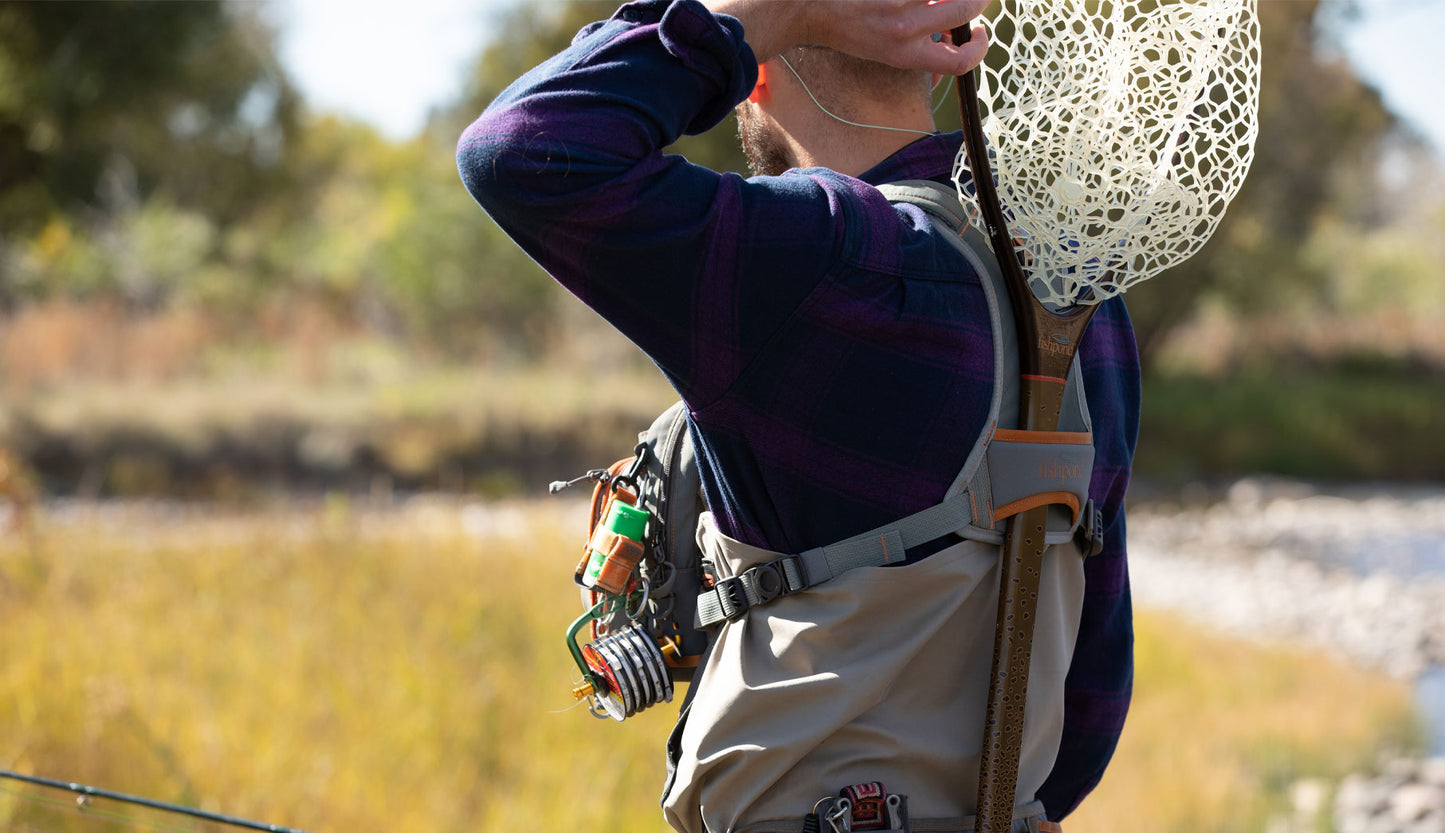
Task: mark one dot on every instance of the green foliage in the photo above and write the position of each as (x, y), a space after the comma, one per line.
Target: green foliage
(1321, 132)
(533, 33)
(108, 103)
(1365, 421)
(529, 34)
(455, 278)
(143, 254)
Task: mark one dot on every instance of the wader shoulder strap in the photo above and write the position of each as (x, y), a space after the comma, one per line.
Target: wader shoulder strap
(1005, 472)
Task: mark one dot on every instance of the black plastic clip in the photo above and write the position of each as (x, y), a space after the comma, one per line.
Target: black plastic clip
(732, 598)
(1090, 535)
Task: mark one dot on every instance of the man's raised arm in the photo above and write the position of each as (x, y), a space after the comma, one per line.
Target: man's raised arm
(894, 32)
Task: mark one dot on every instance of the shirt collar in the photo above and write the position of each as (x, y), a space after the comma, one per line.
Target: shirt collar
(931, 157)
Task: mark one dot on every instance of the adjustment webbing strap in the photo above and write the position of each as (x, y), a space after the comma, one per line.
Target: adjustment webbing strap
(775, 574)
(783, 575)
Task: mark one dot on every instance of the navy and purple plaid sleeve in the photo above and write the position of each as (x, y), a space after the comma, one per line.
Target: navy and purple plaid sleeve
(568, 161)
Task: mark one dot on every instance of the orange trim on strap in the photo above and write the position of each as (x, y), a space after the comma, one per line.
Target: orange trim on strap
(1068, 499)
(1014, 435)
(1038, 378)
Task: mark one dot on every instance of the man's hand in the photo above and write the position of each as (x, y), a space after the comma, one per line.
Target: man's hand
(899, 33)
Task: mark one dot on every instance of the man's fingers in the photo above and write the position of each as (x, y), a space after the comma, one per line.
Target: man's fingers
(969, 55)
(945, 15)
(942, 56)
(913, 34)
(908, 34)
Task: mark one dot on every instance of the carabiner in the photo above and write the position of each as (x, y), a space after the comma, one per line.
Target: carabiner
(841, 817)
(641, 604)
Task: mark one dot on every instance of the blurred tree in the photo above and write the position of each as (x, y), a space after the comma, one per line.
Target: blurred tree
(1320, 139)
(454, 279)
(103, 104)
(453, 273)
(532, 33)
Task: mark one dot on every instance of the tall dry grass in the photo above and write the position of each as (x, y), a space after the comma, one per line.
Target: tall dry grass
(338, 669)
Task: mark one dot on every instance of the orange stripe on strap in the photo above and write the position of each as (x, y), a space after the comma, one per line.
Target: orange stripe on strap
(1013, 435)
(1043, 378)
(1046, 499)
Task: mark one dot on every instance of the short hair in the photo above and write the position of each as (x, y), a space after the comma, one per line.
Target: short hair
(838, 79)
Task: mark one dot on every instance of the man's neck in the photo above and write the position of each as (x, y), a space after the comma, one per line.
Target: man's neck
(822, 141)
(848, 155)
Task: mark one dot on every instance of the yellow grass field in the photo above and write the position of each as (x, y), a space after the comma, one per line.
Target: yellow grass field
(333, 668)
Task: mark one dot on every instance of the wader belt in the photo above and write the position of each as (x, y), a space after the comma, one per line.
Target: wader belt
(1028, 818)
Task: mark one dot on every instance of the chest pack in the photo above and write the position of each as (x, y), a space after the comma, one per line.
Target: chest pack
(652, 596)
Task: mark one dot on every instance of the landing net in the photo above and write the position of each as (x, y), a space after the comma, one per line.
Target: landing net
(1118, 132)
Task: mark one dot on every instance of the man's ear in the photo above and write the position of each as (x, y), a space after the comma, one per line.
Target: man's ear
(760, 92)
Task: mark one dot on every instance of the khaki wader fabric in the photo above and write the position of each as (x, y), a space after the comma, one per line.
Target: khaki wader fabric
(880, 674)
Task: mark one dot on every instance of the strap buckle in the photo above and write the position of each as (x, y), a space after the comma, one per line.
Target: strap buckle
(732, 597)
(1090, 535)
(840, 816)
(884, 812)
(768, 581)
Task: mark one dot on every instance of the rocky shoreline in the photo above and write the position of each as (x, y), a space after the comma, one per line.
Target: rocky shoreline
(1360, 575)
(1356, 573)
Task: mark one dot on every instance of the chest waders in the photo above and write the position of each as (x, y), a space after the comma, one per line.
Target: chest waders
(654, 598)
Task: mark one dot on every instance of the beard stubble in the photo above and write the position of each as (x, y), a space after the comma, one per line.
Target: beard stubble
(765, 151)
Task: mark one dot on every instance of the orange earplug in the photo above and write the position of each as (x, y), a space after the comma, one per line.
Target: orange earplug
(757, 94)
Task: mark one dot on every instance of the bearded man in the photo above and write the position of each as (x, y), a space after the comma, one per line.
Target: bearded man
(835, 356)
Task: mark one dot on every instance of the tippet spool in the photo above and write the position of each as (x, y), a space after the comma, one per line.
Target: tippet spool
(634, 672)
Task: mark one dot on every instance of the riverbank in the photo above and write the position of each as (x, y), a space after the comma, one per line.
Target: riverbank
(493, 431)
(1357, 573)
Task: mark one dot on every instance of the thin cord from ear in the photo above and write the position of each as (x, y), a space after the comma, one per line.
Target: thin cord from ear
(837, 117)
(943, 99)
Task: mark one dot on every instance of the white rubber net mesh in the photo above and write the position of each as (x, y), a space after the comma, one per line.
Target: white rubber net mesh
(1118, 132)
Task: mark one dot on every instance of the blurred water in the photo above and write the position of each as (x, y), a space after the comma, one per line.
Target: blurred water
(1430, 701)
(1405, 554)
(1408, 554)
(1364, 564)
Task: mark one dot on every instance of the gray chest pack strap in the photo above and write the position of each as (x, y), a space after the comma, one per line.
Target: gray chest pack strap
(1006, 472)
